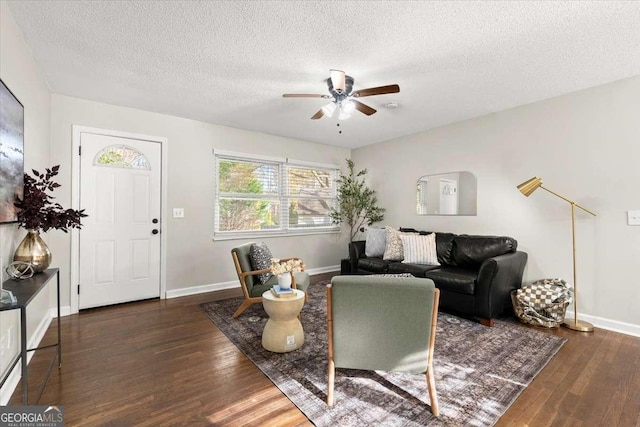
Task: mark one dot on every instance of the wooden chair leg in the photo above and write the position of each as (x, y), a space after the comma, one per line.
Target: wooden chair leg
(431, 384)
(330, 382)
(245, 304)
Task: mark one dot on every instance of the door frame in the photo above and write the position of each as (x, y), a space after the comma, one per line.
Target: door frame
(77, 131)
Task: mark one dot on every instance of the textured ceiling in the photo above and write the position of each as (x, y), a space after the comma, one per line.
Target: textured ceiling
(230, 62)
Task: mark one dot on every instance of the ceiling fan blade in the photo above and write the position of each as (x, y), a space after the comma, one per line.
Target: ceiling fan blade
(381, 90)
(317, 115)
(363, 108)
(304, 95)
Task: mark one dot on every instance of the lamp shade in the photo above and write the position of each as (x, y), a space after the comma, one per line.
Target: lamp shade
(348, 106)
(338, 80)
(530, 185)
(343, 115)
(329, 109)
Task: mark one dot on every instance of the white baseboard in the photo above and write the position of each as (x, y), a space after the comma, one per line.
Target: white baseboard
(322, 270)
(64, 311)
(14, 378)
(611, 325)
(194, 290)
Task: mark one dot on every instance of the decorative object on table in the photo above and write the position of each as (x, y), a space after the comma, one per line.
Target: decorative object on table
(33, 251)
(543, 302)
(284, 270)
(479, 371)
(357, 203)
(7, 297)
(11, 153)
(284, 280)
(529, 187)
(37, 212)
(287, 265)
(283, 292)
(20, 270)
(252, 287)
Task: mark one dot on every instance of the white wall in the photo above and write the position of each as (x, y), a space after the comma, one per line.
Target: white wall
(193, 259)
(585, 145)
(22, 75)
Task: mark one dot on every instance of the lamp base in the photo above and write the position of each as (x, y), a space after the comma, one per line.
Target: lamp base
(578, 325)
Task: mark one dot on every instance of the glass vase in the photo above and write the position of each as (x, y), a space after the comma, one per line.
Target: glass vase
(33, 250)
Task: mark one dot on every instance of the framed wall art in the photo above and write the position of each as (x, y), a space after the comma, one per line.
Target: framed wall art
(11, 153)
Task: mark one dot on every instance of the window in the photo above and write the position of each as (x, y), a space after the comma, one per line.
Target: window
(258, 196)
(121, 156)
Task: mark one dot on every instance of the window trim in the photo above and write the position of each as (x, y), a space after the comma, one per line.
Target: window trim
(282, 195)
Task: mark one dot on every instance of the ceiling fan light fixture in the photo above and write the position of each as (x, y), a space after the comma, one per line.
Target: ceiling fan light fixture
(338, 80)
(348, 106)
(329, 109)
(344, 115)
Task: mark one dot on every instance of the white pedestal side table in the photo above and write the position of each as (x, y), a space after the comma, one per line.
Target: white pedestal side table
(283, 331)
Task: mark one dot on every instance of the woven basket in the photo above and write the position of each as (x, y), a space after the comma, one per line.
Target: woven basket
(542, 312)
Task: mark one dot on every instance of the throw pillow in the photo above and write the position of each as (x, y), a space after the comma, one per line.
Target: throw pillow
(419, 249)
(376, 242)
(393, 250)
(260, 257)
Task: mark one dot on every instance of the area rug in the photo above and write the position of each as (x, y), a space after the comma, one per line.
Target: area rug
(479, 371)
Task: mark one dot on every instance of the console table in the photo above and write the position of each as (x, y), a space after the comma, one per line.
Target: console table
(25, 291)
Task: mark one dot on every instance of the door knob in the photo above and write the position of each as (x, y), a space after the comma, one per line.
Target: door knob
(155, 231)
(154, 220)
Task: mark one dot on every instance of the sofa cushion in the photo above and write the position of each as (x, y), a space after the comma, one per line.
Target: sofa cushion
(444, 246)
(393, 250)
(471, 251)
(376, 242)
(375, 265)
(454, 279)
(260, 256)
(417, 270)
(419, 249)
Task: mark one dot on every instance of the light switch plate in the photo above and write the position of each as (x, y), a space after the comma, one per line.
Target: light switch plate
(178, 212)
(633, 217)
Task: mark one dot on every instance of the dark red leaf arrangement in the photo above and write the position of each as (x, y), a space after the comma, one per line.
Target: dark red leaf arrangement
(38, 212)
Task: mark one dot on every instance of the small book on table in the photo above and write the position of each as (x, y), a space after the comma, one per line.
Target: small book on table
(283, 292)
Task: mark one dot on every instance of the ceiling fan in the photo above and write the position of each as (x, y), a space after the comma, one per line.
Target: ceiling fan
(342, 98)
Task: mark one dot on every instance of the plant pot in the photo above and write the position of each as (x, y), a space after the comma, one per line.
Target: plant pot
(284, 280)
(33, 250)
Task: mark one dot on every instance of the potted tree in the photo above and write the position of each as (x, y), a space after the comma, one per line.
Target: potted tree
(357, 203)
(38, 213)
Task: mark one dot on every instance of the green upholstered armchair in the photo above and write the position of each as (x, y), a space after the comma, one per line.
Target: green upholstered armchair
(382, 323)
(252, 288)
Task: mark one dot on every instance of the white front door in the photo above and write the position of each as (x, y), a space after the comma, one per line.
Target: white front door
(120, 180)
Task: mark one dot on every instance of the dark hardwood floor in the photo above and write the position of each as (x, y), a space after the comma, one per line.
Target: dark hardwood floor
(163, 362)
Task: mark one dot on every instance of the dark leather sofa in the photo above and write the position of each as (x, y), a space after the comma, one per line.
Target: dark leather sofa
(475, 276)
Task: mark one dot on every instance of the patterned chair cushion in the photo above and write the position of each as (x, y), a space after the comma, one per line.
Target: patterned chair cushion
(260, 256)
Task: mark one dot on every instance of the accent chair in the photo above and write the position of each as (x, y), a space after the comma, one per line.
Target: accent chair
(382, 323)
(252, 288)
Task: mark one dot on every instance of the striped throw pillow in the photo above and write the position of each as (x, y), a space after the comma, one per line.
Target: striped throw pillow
(419, 249)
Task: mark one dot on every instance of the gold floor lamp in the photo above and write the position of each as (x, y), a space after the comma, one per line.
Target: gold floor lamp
(529, 187)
